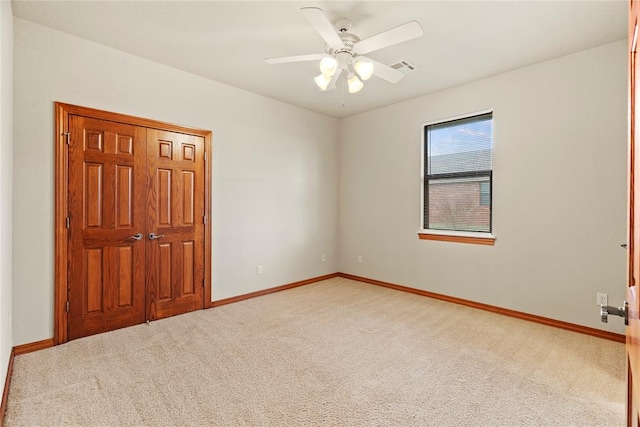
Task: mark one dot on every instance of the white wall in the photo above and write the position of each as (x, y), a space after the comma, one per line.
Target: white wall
(274, 167)
(560, 132)
(6, 161)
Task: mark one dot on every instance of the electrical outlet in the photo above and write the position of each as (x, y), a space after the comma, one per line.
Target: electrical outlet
(324, 258)
(601, 298)
(259, 270)
(359, 259)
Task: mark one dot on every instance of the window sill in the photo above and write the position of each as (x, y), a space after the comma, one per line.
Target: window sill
(458, 237)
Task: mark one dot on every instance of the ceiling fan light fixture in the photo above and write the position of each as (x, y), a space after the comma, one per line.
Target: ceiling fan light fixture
(322, 81)
(364, 69)
(355, 84)
(328, 66)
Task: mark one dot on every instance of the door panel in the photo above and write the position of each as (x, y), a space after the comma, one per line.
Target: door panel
(124, 196)
(175, 270)
(633, 329)
(124, 267)
(106, 207)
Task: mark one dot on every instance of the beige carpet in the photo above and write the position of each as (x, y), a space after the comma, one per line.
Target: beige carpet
(334, 353)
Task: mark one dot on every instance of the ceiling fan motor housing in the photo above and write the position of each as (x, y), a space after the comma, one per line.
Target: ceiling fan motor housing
(346, 53)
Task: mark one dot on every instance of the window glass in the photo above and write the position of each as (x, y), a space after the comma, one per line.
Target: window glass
(485, 193)
(458, 175)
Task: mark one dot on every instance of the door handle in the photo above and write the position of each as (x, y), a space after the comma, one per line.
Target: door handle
(154, 236)
(606, 310)
(137, 236)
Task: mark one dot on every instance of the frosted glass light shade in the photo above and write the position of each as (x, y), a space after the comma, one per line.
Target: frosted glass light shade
(328, 66)
(322, 81)
(364, 69)
(354, 84)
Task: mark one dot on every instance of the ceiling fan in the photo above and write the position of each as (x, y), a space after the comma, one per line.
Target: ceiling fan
(343, 52)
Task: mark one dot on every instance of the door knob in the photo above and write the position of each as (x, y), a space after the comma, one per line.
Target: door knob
(606, 310)
(137, 236)
(154, 236)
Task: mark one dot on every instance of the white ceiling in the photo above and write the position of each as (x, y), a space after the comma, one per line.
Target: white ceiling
(227, 41)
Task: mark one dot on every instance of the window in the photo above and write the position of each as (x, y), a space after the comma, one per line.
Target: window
(457, 186)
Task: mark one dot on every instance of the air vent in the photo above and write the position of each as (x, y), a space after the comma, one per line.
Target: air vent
(404, 66)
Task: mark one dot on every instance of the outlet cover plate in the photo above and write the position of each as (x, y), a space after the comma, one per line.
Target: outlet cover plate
(601, 298)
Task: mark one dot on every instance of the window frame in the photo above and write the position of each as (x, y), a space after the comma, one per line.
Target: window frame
(473, 237)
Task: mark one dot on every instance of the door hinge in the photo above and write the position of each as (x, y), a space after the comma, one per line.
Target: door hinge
(204, 219)
(205, 156)
(67, 306)
(68, 135)
(68, 222)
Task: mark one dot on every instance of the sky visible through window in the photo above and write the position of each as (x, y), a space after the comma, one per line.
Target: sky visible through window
(468, 135)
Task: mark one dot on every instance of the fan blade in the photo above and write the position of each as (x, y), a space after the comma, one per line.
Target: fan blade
(403, 33)
(334, 79)
(297, 58)
(319, 21)
(383, 71)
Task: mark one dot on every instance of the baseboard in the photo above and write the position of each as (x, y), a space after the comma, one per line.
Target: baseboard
(33, 346)
(272, 290)
(7, 383)
(17, 351)
(504, 311)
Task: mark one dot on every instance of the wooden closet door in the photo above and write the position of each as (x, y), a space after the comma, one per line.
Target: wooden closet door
(175, 213)
(107, 194)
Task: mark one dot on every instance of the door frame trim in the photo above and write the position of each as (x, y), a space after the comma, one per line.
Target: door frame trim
(62, 113)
